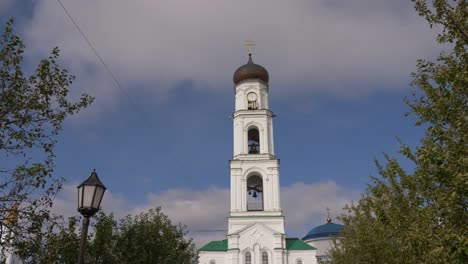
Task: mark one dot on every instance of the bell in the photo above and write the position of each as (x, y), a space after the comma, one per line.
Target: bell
(250, 193)
(254, 195)
(254, 148)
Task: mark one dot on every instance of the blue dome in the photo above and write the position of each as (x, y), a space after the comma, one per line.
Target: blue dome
(326, 230)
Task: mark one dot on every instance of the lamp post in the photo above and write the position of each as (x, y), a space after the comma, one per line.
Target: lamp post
(90, 193)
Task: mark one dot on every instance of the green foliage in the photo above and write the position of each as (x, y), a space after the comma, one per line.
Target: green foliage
(32, 110)
(421, 217)
(59, 244)
(148, 237)
(102, 248)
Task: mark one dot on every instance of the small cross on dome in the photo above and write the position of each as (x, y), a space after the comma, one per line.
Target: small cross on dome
(328, 215)
(250, 44)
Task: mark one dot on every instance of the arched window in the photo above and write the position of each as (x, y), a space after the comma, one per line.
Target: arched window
(248, 258)
(253, 141)
(299, 261)
(254, 193)
(212, 262)
(264, 258)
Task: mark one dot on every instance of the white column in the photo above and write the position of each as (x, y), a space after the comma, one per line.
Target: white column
(257, 257)
(236, 131)
(278, 196)
(270, 136)
(243, 195)
(266, 193)
(263, 141)
(245, 149)
(235, 174)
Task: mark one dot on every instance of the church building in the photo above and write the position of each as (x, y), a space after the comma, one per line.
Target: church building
(256, 223)
(6, 254)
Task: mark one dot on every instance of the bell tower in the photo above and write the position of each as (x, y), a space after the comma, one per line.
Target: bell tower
(256, 222)
(255, 191)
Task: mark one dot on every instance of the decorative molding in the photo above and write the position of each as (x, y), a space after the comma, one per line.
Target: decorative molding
(251, 124)
(256, 235)
(248, 172)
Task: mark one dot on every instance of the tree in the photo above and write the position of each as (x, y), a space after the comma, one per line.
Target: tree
(59, 243)
(32, 110)
(103, 247)
(148, 237)
(421, 216)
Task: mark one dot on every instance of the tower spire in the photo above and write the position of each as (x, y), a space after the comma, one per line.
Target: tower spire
(328, 215)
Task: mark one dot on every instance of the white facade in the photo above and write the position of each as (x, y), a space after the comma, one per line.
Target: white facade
(323, 245)
(256, 232)
(5, 253)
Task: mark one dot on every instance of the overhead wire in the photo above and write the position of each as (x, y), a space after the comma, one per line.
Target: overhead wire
(207, 230)
(117, 83)
(114, 78)
(137, 109)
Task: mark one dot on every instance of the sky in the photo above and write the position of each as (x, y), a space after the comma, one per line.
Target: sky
(339, 71)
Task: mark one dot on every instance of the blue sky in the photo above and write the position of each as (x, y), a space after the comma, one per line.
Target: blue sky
(339, 71)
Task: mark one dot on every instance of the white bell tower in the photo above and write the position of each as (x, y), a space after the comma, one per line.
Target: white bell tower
(255, 187)
(256, 222)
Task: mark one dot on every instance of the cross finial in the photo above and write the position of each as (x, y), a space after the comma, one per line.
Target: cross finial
(328, 215)
(250, 44)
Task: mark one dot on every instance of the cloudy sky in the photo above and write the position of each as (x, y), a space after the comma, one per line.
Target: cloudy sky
(339, 70)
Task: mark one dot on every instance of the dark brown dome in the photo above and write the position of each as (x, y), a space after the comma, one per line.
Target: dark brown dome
(250, 71)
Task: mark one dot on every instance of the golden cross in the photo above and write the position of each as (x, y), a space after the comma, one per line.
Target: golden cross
(250, 44)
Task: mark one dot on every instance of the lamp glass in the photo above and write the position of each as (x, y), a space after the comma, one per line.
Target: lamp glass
(80, 196)
(98, 197)
(88, 195)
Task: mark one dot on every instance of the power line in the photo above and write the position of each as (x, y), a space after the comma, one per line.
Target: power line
(114, 78)
(207, 230)
(116, 81)
(140, 112)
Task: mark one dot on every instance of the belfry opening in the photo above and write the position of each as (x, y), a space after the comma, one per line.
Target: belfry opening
(254, 193)
(253, 141)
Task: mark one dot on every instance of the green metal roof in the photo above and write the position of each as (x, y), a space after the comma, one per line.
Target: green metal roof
(297, 244)
(215, 246)
(291, 244)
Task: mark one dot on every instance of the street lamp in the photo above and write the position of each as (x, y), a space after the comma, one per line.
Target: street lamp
(90, 193)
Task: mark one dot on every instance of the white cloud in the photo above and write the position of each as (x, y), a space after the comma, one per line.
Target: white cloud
(66, 202)
(304, 206)
(199, 210)
(343, 47)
